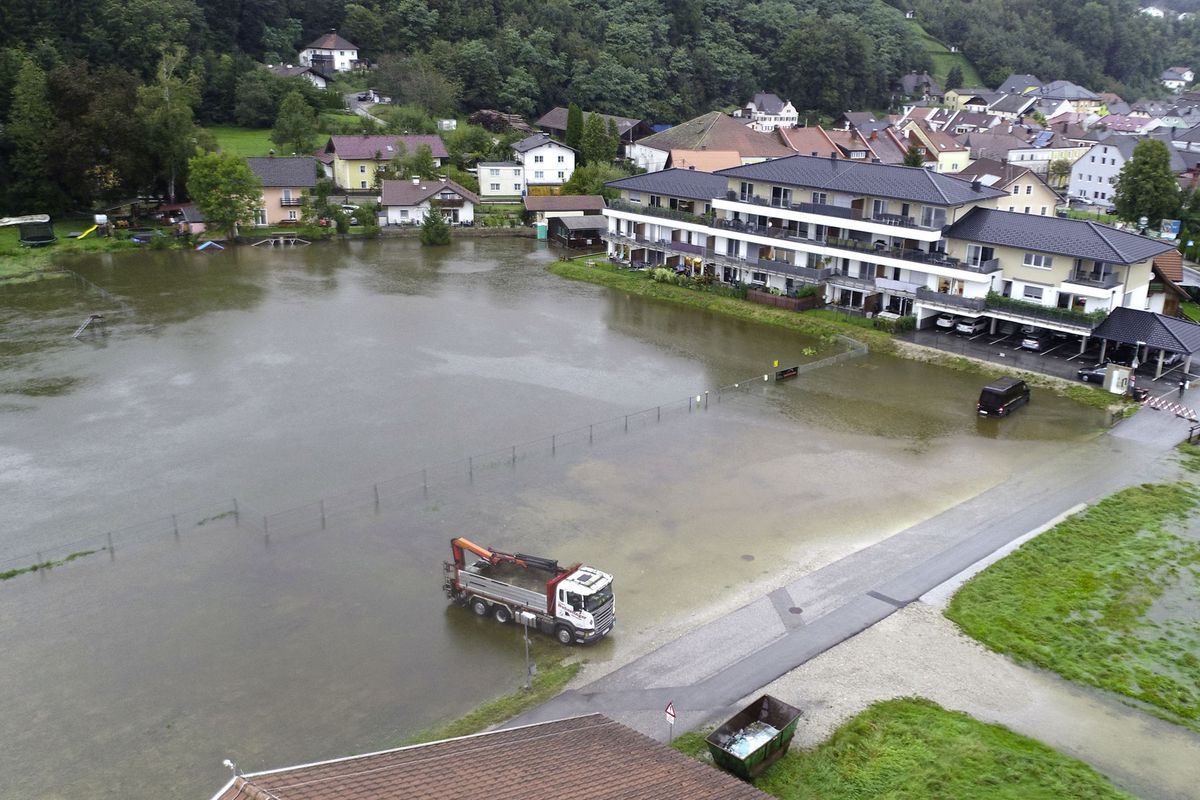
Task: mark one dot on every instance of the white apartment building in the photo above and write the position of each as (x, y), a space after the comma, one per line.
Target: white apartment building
(501, 178)
(546, 162)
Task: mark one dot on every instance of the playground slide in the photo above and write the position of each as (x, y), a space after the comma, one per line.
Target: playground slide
(89, 230)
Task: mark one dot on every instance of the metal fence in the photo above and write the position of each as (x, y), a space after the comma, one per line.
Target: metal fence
(412, 488)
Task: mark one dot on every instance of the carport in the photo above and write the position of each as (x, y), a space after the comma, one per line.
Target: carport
(1154, 335)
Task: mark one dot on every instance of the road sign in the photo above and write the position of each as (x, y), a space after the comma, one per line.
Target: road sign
(670, 712)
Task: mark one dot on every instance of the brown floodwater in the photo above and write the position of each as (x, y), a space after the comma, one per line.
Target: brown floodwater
(298, 381)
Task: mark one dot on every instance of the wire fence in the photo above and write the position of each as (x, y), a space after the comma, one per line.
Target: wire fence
(418, 486)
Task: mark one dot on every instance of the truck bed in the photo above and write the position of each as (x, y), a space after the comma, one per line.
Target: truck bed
(531, 578)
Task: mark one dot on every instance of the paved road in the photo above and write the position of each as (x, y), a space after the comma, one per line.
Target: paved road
(708, 671)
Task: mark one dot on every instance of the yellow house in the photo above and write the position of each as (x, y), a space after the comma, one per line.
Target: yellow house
(354, 160)
(1025, 191)
(940, 149)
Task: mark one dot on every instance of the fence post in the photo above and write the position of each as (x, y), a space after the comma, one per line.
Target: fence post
(627, 423)
(706, 398)
(175, 525)
(266, 526)
(689, 404)
(424, 484)
(237, 517)
(112, 552)
(471, 468)
(554, 444)
(376, 487)
(322, 514)
(514, 456)
(658, 412)
(589, 434)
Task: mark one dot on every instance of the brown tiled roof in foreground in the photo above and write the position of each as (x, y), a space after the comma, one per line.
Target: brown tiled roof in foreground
(584, 758)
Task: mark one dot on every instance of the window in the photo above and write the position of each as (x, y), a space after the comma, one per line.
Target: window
(1010, 208)
(291, 215)
(878, 208)
(933, 217)
(560, 159)
(1016, 190)
(538, 159)
(516, 187)
(362, 169)
(493, 187)
(537, 173)
(362, 184)
(1033, 293)
(404, 213)
(1043, 211)
(634, 197)
(516, 173)
(781, 197)
(974, 254)
(1038, 260)
(561, 174)
(495, 173)
(1093, 160)
(1029, 189)
(820, 198)
(656, 201)
(747, 190)
(758, 277)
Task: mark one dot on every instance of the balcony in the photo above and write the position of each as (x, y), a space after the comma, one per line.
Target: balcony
(804, 274)
(1098, 280)
(658, 211)
(287, 202)
(826, 210)
(951, 301)
(844, 281)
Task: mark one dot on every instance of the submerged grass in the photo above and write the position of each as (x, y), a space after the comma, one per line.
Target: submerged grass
(1104, 598)
(822, 323)
(44, 565)
(553, 673)
(914, 748)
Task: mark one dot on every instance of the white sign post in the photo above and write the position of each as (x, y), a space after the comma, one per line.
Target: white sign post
(670, 712)
(526, 619)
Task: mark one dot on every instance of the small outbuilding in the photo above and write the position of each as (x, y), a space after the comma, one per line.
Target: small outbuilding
(578, 233)
(1157, 339)
(541, 208)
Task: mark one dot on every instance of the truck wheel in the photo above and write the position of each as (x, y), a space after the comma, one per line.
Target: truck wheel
(564, 634)
(502, 615)
(480, 607)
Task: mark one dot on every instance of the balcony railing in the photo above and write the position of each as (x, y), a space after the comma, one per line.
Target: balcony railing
(1106, 280)
(804, 274)
(851, 282)
(954, 301)
(826, 210)
(658, 211)
(290, 201)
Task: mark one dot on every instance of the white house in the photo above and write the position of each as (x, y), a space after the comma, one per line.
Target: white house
(408, 202)
(299, 70)
(501, 178)
(329, 54)
(767, 112)
(546, 162)
(1178, 78)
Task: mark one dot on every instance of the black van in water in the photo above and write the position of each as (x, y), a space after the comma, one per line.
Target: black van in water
(1001, 396)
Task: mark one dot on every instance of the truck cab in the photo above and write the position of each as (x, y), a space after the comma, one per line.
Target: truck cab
(585, 603)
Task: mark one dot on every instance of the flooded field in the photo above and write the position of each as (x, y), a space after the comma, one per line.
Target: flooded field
(282, 378)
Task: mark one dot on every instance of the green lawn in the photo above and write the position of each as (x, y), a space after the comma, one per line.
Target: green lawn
(943, 60)
(914, 749)
(1191, 311)
(16, 260)
(1105, 598)
(245, 142)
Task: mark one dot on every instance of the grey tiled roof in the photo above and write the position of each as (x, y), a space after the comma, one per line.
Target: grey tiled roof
(587, 222)
(914, 184)
(1019, 83)
(688, 183)
(1160, 332)
(1068, 237)
(767, 103)
(300, 172)
(537, 140)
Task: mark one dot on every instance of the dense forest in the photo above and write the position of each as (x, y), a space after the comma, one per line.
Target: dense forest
(103, 100)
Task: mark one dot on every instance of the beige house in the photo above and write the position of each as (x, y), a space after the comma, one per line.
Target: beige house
(1026, 192)
(285, 182)
(354, 160)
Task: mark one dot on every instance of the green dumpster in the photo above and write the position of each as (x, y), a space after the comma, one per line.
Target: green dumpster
(754, 738)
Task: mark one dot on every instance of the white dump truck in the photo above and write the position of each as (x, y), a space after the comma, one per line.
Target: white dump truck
(575, 603)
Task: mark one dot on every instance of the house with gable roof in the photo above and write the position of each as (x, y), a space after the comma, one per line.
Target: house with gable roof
(1026, 192)
(1094, 175)
(285, 182)
(940, 150)
(547, 163)
(712, 131)
(768, 112)
(1020, 84)
(1081, 99)
(554, 122)
(299, 71)
(352, 161)
(920, 85)
(330, 53)
(408, 202)
(1176, 79)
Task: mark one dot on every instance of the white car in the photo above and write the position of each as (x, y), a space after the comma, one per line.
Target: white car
(972, 326)
(947, 321)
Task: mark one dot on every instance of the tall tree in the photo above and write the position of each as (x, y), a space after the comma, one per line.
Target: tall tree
(1146, 186)
(296, 125)
(29, 121)
(435, 231)
(225, 189)
(595, 147)
(954, 78)
(165, 108)
(574, 126)
(913, 157)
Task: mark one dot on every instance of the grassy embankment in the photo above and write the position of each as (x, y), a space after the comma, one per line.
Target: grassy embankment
(1106, 598)
(913, 748)
(17, 261)
(553, 673)
(943, 61)
(822, 323)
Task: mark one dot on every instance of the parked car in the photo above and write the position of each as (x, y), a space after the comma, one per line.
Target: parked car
(947, 321)
(1093, 374)
(1000, 397)
(972, 326)
(1034, 341)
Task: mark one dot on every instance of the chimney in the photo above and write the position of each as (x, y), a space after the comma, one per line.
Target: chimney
(833, 156)
(814, 152)
(976, 185)
(875, 161)
(416, 181)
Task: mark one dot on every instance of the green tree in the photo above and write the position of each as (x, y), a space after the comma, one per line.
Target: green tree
(1059, 172)
(590, 179)
(1146, 186)
(165, 109)
(296, 125)
(574, 133)
(30, 119)
(954, 78)
(596, 147)
(416, 80)
(420, 164)
(225, 189)
(913, 157)
(279, 43)
(435, 231)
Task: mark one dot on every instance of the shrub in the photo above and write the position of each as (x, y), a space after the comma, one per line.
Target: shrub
(807, 291)
(906, 323)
